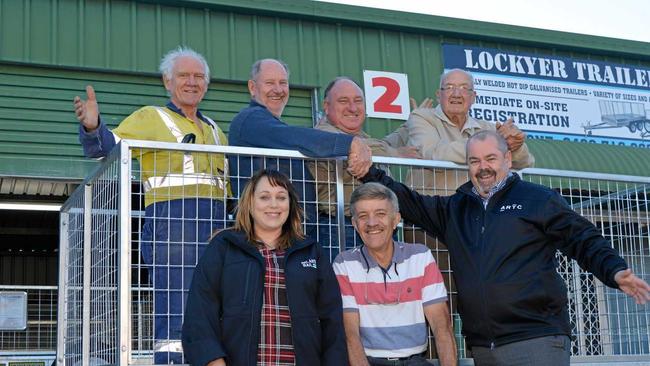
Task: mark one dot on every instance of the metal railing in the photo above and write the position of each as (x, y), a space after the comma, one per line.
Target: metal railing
(107, 310)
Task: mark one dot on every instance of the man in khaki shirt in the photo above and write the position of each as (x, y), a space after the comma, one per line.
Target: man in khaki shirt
(442, 132)
(345, 112)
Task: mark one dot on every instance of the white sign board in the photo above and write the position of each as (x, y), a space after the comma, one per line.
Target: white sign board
(558, 98)
(13, 310)
(387, 94)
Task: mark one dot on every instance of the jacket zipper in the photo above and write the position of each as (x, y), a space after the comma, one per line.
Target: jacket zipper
(286, 284)
(484, 211)
(481, 272)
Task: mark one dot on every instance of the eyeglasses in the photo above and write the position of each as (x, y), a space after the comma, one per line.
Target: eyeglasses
(387, 293)
(463, 89)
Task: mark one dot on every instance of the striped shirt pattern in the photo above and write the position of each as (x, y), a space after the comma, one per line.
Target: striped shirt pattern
(390, 302)
(276, 345)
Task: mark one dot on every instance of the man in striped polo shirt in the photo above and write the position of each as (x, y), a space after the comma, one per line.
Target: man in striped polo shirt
(389, 288)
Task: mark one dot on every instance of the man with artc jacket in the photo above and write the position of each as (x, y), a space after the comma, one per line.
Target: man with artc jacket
(503, 234)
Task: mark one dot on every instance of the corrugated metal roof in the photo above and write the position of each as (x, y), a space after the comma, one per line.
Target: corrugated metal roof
(318, 40)
(36, 187)
(597, 158)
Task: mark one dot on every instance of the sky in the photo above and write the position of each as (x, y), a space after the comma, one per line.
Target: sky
(624, 19)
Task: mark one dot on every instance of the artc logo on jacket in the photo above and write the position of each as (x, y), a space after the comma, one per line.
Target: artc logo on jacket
(309, 263)
(514, 206)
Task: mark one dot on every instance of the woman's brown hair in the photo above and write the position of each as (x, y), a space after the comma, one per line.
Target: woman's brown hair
(291, 229)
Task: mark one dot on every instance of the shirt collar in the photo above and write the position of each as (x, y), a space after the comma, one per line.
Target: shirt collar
(499, 186)
(255, 103)
(470, 124)
(171, 106)
(398, 255)
(326, 121)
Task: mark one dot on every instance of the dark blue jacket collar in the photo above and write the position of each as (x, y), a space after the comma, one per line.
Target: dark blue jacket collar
(238, 238)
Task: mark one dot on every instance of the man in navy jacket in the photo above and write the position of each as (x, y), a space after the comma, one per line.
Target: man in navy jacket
(259, 125)
(503, 234)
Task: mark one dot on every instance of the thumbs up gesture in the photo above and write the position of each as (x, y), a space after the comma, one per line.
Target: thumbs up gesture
(513, 136)
(87, 111)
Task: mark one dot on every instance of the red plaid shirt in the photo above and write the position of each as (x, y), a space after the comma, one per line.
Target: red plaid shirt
(276, 344)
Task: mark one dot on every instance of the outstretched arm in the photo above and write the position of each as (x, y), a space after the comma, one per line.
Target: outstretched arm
(96, 140)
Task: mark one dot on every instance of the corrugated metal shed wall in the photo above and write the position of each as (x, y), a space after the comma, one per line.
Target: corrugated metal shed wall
(319, 41)
(131, 36)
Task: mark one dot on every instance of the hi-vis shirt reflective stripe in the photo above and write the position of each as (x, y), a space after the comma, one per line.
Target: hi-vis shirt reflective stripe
(177, 180)
(217, 141)
(189, 175)
(168, 345)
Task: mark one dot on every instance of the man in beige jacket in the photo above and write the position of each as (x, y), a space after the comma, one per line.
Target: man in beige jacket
(441, 133)
(345, 112)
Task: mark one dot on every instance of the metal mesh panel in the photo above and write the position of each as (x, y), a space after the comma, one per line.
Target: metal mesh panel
(40, 334)
(89, 233)
(604, 321)
(171, 228)
(104, 257)
(71, 280)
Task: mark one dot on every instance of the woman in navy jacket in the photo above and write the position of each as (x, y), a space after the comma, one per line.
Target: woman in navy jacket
(235, 302)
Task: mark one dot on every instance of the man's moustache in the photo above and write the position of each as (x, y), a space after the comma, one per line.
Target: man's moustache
(485, 172)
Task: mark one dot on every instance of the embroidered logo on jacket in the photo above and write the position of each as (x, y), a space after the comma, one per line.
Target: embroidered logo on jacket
(309, 263)
(514, 206)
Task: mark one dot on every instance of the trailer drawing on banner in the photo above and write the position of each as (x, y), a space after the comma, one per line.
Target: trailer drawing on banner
(616, 114)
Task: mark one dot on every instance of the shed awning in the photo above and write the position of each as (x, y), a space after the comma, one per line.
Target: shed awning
(598, 158)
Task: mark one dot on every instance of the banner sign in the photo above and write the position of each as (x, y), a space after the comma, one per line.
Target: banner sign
(556, 97)
(387, 94)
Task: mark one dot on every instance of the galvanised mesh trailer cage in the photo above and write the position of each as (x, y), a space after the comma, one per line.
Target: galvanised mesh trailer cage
(107, 309)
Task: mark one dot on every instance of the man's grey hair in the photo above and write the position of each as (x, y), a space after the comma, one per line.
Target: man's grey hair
(168, 61)
(372, 191)
(445, 75)
(257, 66)
(502, 144)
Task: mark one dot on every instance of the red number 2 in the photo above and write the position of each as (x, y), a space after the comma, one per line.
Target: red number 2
(385, 102)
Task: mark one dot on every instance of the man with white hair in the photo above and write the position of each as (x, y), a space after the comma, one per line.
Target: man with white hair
(184, 192)
(441, 132)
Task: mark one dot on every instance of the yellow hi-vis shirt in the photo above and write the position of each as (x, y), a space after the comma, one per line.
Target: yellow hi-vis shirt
(168, 175)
